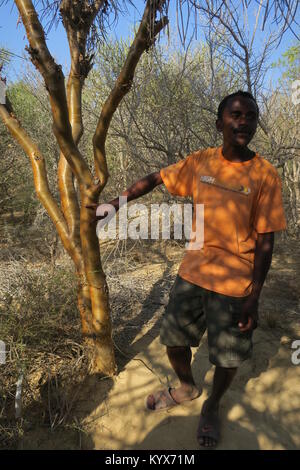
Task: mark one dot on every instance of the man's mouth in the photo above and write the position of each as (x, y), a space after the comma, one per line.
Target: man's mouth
(242, 133)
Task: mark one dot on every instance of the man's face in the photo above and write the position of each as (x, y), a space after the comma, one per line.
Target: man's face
(239, 121)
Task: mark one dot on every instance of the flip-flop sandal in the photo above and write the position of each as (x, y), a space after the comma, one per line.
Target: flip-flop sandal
(209, 426)
(163, 400)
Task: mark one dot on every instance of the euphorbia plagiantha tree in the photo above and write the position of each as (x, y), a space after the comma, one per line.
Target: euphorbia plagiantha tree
(72, 219)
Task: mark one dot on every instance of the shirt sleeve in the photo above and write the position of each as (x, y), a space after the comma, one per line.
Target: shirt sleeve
(178, 178)
(269, 216)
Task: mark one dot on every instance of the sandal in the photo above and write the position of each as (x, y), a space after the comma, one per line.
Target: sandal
(163, 400)
(209, 426)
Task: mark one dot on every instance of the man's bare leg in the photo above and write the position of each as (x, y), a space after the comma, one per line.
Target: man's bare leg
(221, 382)
(180, 359)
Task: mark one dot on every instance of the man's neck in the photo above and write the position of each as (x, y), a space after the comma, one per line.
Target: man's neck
(237, 154)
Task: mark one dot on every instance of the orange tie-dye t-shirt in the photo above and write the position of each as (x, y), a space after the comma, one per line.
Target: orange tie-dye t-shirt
(240, 200)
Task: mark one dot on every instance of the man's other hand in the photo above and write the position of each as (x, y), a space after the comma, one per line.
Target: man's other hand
(249, 317)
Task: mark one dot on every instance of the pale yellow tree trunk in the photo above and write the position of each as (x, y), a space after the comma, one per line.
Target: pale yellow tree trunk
(73, 223)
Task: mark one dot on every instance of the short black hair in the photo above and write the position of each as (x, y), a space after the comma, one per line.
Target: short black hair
(244, 94)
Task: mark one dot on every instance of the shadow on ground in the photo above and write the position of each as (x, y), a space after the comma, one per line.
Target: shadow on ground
(260, 411)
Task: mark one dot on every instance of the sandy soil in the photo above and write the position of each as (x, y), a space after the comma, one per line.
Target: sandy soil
(260, 411)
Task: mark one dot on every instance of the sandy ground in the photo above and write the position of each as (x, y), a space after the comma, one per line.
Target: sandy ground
(260, 411)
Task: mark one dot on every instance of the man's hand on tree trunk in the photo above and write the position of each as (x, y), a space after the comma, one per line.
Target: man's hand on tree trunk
(138, 189)
(101, 211)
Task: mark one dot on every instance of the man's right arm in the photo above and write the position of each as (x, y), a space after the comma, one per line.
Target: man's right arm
(138, 189)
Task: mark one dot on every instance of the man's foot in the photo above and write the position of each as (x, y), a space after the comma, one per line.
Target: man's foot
(165, 399)
(208, 433)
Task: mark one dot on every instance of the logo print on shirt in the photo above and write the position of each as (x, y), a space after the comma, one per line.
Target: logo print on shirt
(211, 180)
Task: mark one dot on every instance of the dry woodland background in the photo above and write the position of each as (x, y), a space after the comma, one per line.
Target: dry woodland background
(169, 112)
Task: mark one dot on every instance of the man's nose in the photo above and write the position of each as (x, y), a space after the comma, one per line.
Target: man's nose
(243, 120)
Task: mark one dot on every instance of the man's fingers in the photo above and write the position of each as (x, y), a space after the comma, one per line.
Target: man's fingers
(100, 217)
(247, 326)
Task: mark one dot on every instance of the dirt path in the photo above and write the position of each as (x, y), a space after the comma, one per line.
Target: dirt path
(260, 411)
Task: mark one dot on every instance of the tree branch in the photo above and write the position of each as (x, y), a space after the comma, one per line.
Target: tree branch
(39, 170)
(144, 38)
(77, 19)
(54, 81)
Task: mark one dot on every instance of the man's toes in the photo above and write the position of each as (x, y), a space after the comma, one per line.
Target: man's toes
(207, 442)
(204, 441)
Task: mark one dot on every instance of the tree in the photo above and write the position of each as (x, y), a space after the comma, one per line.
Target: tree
(30, 104)
(4, 56)
(73, 222)
(170, 111)
(78, 185)
(290, 60)
(281, 142)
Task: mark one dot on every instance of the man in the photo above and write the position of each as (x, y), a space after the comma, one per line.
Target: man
(218, 287)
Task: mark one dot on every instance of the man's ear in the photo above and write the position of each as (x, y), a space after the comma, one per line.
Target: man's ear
(219, 125)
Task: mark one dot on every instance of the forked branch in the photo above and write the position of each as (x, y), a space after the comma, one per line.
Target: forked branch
(54, 81)
(145, 37)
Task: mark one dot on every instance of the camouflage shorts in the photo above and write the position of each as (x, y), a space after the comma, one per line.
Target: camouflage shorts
(192, 309)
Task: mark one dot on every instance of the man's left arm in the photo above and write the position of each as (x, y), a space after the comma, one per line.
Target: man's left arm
(262, 262)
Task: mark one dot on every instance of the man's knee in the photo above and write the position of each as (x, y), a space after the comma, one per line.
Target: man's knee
(179, 353)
